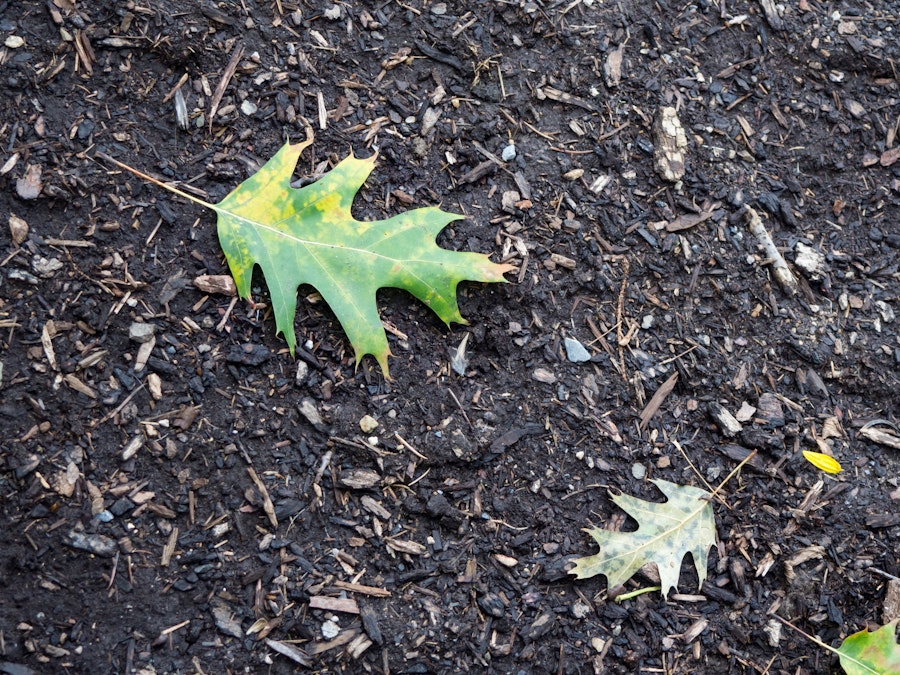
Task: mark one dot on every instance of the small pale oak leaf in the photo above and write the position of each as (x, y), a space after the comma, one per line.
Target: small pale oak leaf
(666, 533)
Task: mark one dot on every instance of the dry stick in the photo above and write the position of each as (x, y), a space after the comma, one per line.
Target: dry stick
(119, 407)
(619, 309)
(462, 410)
(406, 445)
(733, 472)
(268, 507)
(657, 400)
(223, 83)
(780, 270)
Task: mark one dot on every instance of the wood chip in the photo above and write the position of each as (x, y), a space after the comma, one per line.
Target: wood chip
(18, 229)
(563, 97)
(373, 591)
(345, 605)
(669, 143)
(347, 636)
(268, 507)
(79, 386)
(223, 83)
(169, 548)
(406, 546)
(216, 283)
(296, 654)
(29, 186)
(132, 447)
(881, 437)
(727, 423)
(888, 157)
(359, 479)
(780, 270)
(656, 400)
(612, 67)
(687, 221)
(891, 606)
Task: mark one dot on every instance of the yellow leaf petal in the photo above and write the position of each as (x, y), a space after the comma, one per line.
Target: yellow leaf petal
(826, 463)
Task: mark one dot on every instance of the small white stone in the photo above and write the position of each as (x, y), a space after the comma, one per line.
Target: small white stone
(330, 629)
(509, 153)
(639, 471)
(302, 372)
(248, 107)
(368, 424)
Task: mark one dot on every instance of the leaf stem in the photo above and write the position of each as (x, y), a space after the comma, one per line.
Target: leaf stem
(151, 179)
(633, 594)
(806, 635)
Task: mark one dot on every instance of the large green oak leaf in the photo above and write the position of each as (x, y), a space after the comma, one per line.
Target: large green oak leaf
(308, 235)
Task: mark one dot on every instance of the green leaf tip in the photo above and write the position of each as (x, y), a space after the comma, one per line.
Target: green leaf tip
(872, 653)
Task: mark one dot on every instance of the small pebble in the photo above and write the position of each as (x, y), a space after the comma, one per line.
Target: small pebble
(639, 471)
(141, 332)
(509, 153)
(248, 107)
(368, 424)
(330, 629)
(575, 351)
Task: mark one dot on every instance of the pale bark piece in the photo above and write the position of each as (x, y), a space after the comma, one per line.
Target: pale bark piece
(359, 479)
(780, 270)
(294, 653)
(657, 400)
(670, 144)
(30, 185)
(891, 607)
(612, 68)
(726, 422)
(216, 283)
(18, 229)
(687, 221)
(773, 18)
(344, 605)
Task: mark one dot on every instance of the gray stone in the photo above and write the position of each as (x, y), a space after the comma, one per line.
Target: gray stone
(575, 351)
(141, 332)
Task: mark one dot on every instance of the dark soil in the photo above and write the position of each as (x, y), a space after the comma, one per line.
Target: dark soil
(133, 536)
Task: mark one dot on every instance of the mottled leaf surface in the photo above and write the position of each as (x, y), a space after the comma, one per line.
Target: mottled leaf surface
(666, 532)
(309, 236)
(875, 653)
